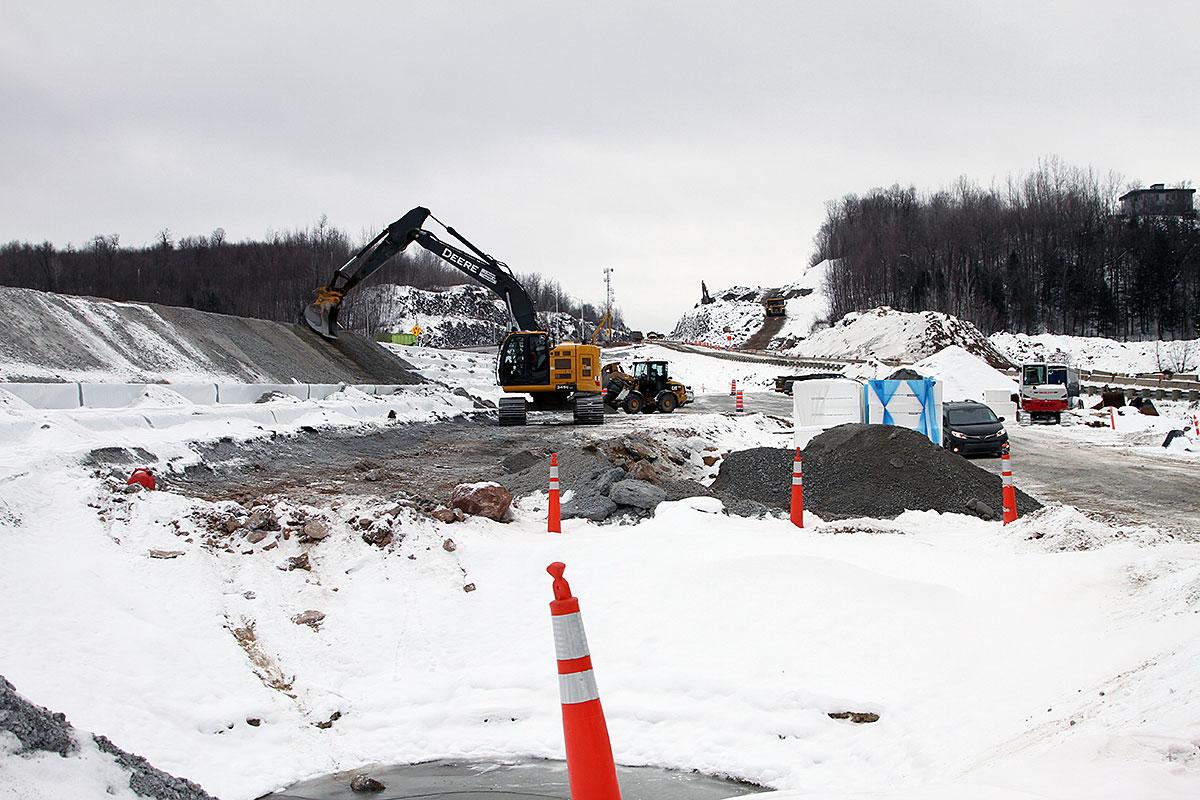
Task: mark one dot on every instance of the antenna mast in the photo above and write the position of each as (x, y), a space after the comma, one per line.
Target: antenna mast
(608, 293)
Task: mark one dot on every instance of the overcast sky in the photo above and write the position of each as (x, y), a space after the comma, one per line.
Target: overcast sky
(671, 141)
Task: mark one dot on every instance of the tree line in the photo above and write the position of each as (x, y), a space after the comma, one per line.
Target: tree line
(272, 278)
(1042, 252)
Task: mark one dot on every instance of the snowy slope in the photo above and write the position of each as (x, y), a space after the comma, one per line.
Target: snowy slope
(885, 333)
(740, 309)
(1098, 353)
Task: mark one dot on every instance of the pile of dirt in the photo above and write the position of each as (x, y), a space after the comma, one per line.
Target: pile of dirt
(55, 337)
(859, 470)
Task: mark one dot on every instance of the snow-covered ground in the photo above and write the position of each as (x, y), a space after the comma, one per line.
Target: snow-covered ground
(740, 309)
(1134, 431)
(1054, 658)
(1098, 353)
(963, 376)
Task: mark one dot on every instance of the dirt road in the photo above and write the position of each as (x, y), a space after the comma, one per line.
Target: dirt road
(1105, 480)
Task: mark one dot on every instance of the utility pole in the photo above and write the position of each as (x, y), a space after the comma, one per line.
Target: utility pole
(608, 294)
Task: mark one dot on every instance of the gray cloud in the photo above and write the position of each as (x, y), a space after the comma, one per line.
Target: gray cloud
(672, 141)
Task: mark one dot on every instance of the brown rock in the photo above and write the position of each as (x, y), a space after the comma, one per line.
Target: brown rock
(365, 783)
(448, 515)
(166, 553)
(642, 471)
(449, 546)
(232, 524)
(855, 716)
(315, 530)
(470, 587)
(334, 717)
(380, 537)
(710, 460)
(254, 537)
(489, 500)
(297, 562)
(310, 618)
(254, 722)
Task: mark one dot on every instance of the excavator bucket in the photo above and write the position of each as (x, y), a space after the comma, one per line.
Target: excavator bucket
(321, 313)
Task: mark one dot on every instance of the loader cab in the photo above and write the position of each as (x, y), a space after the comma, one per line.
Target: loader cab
(651, 376)
(524, 359)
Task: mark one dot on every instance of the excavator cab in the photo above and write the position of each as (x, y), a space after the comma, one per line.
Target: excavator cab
(524, 360)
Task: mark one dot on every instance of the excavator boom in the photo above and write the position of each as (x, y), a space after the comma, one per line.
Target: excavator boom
(321, 314)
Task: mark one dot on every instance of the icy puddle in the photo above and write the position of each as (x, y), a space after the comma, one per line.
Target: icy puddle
(531, 779)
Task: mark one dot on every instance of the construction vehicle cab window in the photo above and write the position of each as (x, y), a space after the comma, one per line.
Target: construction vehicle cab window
(556, 375)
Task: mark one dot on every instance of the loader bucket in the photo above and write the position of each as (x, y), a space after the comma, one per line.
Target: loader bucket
(321, 314)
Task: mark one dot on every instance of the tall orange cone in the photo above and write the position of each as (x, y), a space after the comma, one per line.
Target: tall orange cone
(1008, 494)
(733, 387)
(741, 407)
(797, 491)
(590, 768)
(554, 515)
(1196, 423)
(1112, 418)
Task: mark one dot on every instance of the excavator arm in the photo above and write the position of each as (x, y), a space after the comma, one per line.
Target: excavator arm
(321, 314)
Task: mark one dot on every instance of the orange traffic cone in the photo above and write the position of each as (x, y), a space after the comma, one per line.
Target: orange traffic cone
(797, 491)
(732, 388)
(590, 768)
(1008, 494)
(554, 516)
(142, 477)
(740, 405)
(1112, 418)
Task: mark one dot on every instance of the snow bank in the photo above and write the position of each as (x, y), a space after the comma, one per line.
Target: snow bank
(1098, 353)
(884, 333)
(740, 309)
(1059, 528)
(962, 375)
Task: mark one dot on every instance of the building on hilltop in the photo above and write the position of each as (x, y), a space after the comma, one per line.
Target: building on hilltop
(1158, 201)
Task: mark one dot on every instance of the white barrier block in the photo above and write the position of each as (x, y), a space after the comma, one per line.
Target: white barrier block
(248, 393)
(111, 395)
(110, 422)
(319, 391)
(826, 402)
(45, 395)
(202, 394)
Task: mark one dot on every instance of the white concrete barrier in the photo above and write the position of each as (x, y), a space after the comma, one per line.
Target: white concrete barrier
(110, 395)
(247, 393)
(46, 395)
(202, 394)
(319, 391)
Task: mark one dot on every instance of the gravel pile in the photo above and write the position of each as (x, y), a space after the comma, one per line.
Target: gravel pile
(37, 728)
(858, 470)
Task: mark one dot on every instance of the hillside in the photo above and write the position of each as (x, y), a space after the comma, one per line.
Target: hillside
(886, 333)
(454, 316)
(1098, 353)
(739, 309)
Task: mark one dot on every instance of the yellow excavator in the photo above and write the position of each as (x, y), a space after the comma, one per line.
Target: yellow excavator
(556, 375)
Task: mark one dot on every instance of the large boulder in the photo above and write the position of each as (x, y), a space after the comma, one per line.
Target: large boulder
(486, 499)
(639, 494)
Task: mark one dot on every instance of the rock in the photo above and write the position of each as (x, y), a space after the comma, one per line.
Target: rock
(470, 587)
(859, 717)
(315, 530)
(642, 471)
(639, 494)
(166, 553)
(131, 488)
(232, 524)
(449, 546)
(487, 499)
(297, 562)
(380, 537)
(448, 515)
(981, 509)
(254, 722)
(310, 618)
(374, 475)
(602, 481)
(254, 537)
(258, 518)
(595, 507)
(365, 783)
(710, 460)
(327, 724)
